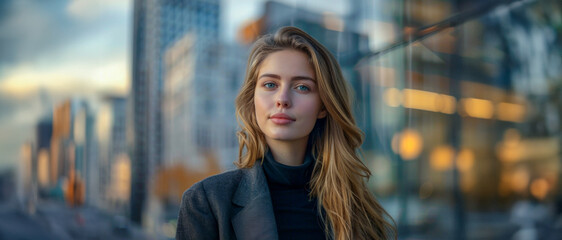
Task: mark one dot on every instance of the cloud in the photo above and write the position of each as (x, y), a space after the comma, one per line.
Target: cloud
(26, 30)
(38, 30)
(44, 47)
(91, 9)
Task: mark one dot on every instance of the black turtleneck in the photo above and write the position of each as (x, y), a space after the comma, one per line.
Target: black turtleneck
(296, 214)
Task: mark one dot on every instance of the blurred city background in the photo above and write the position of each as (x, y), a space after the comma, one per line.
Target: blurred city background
(110, 109)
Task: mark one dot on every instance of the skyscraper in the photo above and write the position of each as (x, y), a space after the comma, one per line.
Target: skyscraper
(112, 145)
(157, 26)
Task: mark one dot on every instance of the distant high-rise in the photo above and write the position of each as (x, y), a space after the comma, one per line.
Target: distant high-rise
(43, 135)
(72, 157)
(112, 144)
(157, 26)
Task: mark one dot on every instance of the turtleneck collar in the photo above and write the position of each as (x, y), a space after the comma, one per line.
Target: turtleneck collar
(288, 176)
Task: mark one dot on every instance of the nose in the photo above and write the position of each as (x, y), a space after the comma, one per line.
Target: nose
(283, 99)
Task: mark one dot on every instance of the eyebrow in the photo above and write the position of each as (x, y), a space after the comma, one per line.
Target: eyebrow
(293, 78)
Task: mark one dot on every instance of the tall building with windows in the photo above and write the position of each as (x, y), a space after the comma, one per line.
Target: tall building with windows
(71, 156)
(43, 135)
(113, 153)
(157, 26)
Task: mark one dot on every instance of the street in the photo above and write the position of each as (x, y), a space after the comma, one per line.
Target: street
(55, 220)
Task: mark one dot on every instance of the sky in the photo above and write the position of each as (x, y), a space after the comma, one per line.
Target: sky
(56, 49)
(52, 50)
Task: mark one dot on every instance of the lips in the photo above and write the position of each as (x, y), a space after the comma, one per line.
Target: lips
(281, 118)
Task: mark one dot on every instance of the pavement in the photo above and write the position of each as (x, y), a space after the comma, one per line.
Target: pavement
(55, 220)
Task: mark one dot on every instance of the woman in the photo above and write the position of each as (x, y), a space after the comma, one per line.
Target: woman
(299, 176)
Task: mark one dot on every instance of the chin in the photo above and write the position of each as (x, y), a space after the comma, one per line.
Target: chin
(285, 137)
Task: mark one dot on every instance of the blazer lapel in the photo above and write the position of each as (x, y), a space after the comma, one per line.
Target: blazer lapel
(253, 216)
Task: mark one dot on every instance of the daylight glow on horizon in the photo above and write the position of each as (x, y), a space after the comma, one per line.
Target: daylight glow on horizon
(69, 77)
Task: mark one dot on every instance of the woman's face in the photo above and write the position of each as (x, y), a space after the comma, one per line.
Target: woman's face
(286, 98)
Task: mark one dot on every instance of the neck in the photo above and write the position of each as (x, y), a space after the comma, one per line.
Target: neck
(290, 153)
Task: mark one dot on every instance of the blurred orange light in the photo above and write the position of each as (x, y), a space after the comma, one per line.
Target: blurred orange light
(465, 160)
(25, 152)
(408, 144)
(392, 97)
(250, 31)
(43, 167)
(54, 164)
(539, 188)
(422, 100)
(504, 186)
(448, 104)
(441, 158)
(467, 182)
(478, 108)
(26, 162)
(61, 120)
(121, 178)
(512, 112)
(428, 101)
(520, 180)
(509, 149)
(514, 149)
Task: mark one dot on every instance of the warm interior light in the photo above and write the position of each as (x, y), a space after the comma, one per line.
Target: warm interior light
(465, 160)
(512, 112)
(422, 100)
(467, 182)
(448, 104)
(519, 180)
(408, 144)
(43, 167)
(441, 158)
(478, 108)
(121, 178)
(539, 188)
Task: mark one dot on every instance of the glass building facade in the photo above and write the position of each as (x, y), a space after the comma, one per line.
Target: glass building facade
(464, 114)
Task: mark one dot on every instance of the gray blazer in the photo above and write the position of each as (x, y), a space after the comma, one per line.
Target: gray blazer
(231, 205)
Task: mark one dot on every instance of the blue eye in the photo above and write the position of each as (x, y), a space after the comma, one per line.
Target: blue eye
(303, 88)
(269, 85)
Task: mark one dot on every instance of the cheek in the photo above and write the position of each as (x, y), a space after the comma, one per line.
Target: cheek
(263, 99)
(260, 107)
(311, 106)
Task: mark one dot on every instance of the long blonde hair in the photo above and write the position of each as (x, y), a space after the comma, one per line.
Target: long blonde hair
(338, 179)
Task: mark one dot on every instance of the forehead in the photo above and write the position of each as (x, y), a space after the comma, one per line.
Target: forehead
(287, 63)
